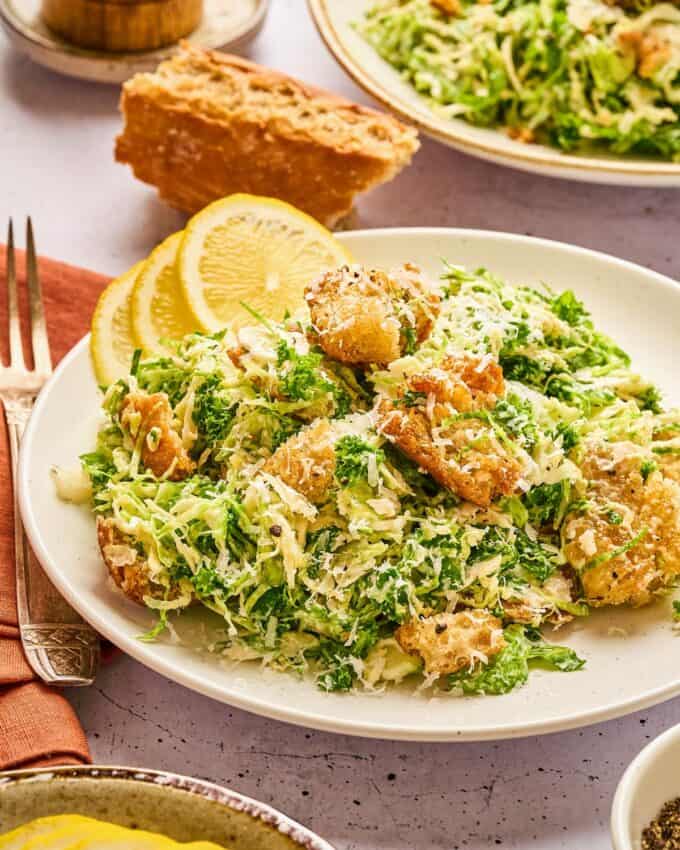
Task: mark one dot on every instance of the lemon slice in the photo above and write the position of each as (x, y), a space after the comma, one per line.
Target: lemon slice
(254, 250)
(112, 343)
(159, 310)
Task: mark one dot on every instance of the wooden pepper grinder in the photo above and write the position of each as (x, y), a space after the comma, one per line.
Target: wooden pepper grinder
(120, 25)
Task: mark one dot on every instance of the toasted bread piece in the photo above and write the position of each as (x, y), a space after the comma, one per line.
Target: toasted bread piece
(306, 461)
(162, 449)
(364, 316)
(626, 545)
(448, 643)
(437, 427)
(206, 124)
(128, 569)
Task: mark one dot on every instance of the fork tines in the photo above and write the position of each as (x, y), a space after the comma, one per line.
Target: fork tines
(42, 363)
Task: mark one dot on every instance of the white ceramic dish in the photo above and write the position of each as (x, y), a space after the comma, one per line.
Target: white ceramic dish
(177, 806)
(334, 20)
(227, 24)
(624, 673)
(652, 778)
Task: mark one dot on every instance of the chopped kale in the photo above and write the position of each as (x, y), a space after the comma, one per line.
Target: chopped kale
(532, 556)
(338, 660)
(650, 399)
(213, 411)
(520, 367)
(587, 397)
(568, 431)
(521, 557)
(392, 593)
(286, 427)
(302, 379)
(567, 307)
(510, 668)
(320, 543)
(352, 458)
(548, 503)
(647, 467)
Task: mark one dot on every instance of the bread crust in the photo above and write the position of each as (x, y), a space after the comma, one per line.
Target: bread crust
(205, 125)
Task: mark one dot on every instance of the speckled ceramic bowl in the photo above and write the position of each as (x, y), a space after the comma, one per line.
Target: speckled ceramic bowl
(182, 808)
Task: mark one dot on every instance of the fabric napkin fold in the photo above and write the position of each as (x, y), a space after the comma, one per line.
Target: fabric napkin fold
(38, 727)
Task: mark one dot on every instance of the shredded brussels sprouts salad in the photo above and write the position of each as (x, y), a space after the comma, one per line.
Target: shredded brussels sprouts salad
(576, 74)
(407, 479)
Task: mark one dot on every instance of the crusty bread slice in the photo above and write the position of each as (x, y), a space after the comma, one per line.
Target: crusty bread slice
(207, 124)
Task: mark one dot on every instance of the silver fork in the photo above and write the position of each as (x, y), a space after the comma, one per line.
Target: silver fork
(60, 647)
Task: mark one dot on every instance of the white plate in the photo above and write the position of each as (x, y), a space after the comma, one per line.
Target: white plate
(624, 673)
(334, 20)
(227, 24)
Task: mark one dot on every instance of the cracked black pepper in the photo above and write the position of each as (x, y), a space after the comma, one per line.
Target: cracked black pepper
(663, 833)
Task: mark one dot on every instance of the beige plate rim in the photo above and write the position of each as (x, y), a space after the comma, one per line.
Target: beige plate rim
(99, 66)
(446, 131)
(226, 797)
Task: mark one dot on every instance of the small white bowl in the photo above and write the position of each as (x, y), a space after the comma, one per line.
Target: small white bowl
(652, 779)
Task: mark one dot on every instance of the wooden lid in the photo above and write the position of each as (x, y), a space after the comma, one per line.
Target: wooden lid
(119, 25)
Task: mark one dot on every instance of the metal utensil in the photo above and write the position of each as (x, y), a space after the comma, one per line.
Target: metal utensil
(60, 647)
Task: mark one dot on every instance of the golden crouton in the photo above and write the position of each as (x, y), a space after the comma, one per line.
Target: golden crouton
(669, 464)
(651, 51)
(448, 643)
(126, 568)
(362, 316)
(626, 544)
(448, 7)
(463, 454)
(465, 381)
(162, 451)
(521, 134)
(306, 461)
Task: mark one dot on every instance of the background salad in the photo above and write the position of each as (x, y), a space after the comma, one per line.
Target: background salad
(570, 73)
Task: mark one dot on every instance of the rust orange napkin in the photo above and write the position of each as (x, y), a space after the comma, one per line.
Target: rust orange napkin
(37, 725)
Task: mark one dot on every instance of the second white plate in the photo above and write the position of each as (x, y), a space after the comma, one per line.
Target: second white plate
(633, 658)
(334, 19)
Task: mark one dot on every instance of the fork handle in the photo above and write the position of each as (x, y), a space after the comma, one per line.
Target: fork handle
(60, 647)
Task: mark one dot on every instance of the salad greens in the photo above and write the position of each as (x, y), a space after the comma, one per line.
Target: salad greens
(324, 584)
(576, 74)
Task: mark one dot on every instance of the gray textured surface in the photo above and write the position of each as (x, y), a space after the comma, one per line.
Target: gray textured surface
(547, 793)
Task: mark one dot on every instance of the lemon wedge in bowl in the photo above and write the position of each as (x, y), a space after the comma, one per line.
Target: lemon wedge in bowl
(113, 342)
(252, 250)
(159, 310)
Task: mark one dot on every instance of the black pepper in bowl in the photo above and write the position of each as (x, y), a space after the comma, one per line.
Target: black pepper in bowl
(663, 833)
